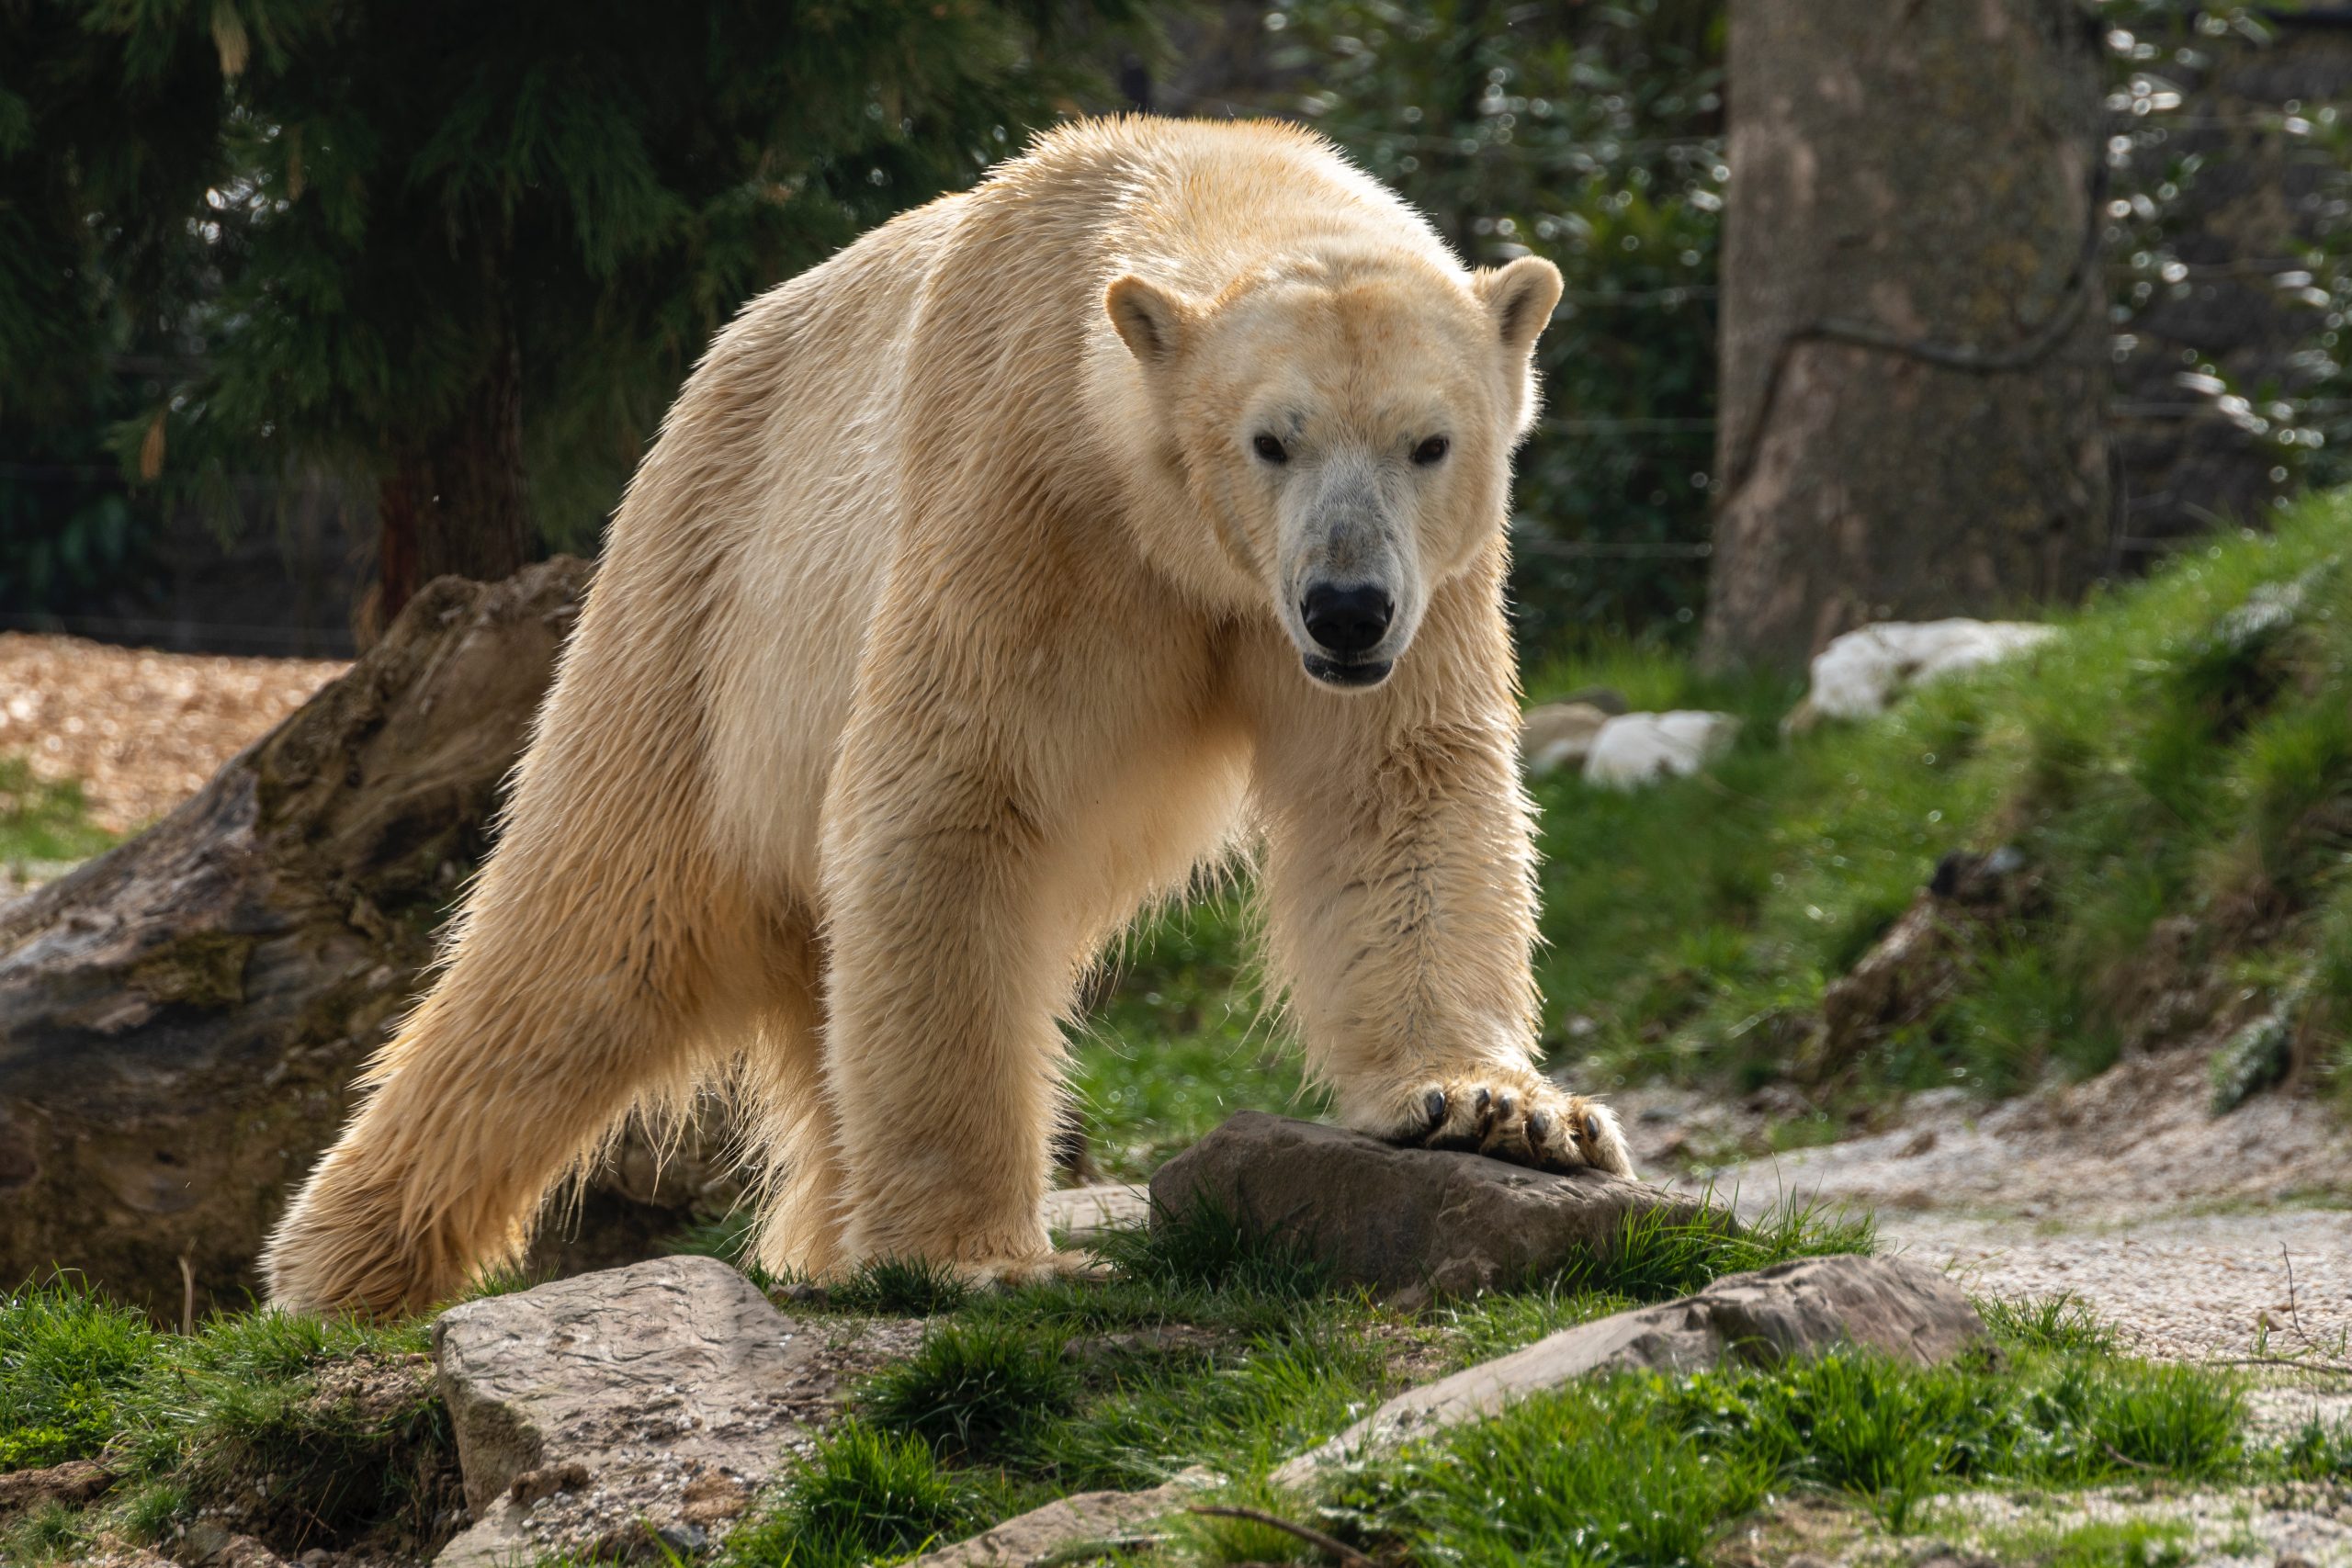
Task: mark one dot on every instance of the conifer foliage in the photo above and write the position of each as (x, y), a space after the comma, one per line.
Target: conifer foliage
(466, 251)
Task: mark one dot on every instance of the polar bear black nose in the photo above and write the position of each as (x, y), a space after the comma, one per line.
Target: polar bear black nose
(1347, 620)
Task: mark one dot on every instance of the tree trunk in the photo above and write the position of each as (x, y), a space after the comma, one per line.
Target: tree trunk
(456, 502)
(181, 1018)
(1913, 325)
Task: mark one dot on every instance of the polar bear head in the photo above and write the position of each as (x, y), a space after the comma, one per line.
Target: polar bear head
(1343, 428)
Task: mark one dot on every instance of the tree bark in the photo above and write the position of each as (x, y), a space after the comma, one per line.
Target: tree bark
(455, 503)
(181, 1018)
(1914, 325)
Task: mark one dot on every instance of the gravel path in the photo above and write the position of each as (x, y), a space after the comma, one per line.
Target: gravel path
(2198, 1236)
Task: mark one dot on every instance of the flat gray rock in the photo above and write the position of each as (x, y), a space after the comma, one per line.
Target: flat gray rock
(1085, 1525)
(1079, 1214)
(602, 1414)
(1791, 1310)
(1409, 1220)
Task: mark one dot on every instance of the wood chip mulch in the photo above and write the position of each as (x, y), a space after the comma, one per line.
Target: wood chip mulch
(140, 730)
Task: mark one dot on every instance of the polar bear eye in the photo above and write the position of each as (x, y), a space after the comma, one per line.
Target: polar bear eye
(1431, 451)
(1271, 450)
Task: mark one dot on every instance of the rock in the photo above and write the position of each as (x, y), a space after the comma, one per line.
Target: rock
(244, 1551)
(1078, 1215)
(661, 1395)
(1636, 749)
(1791, 1310)
(1608, 699)
(1557, 737)
(1412, 1221)
(1860, 675)
(74, 1482)
(1090, 1524)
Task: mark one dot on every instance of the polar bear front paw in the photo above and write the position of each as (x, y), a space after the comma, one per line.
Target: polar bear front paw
(1514, 1116)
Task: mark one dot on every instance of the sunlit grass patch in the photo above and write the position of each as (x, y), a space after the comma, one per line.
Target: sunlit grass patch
(2064, 1321)
(1656, 1255)
(863, 1494)
(70, 1363)
(43, 822)
(1648, 1469)
(339, 1419)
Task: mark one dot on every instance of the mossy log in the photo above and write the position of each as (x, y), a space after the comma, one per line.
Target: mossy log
(181, 1018)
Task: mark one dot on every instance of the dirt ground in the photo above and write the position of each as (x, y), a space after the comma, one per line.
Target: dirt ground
(2201, 1238)
(141, 730)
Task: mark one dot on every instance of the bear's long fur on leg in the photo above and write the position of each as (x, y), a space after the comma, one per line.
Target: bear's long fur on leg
(984, 579)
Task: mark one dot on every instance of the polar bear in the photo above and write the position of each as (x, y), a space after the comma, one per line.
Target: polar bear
(1140, 507)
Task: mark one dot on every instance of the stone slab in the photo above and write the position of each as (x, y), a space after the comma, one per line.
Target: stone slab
(1790, 1311)
(1409, 1220)
(601, 1414)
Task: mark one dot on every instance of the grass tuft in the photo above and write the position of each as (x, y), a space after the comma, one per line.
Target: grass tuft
(1656, 1257)
(1206, 1248)
(901, 1287)
(2319, 1451)
(2060, 1322)
(975, 1389)
(69, 1361)
(51, 1533)
(863, 1494)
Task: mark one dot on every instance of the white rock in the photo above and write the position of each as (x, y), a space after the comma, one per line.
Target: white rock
(1558, 736)
(1860, 675)
(1635, 749)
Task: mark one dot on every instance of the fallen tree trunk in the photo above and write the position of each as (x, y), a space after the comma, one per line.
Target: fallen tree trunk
(181, 1018)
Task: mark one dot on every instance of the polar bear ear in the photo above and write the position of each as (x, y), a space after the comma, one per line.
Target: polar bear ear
(1151, 321)
(1520, 296)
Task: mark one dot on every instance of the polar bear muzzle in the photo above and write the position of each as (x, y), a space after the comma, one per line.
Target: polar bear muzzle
(1346, 623)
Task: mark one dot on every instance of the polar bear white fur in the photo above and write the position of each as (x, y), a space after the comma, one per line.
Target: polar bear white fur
(1140, 505)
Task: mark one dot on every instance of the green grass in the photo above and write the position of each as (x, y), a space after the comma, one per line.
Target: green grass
(2133, 1544)
(863, 1494)
(1645, 1469)
(2157, 759)
(977, 1389)
(43, 821)
(338, 1418)
(69, 1361)
(2060, 1322)
(1179, 1040)
(1655, 1257)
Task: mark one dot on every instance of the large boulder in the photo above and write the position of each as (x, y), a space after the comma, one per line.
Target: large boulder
(624, 1413)
(1790, 1311)
(1408, 1221)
